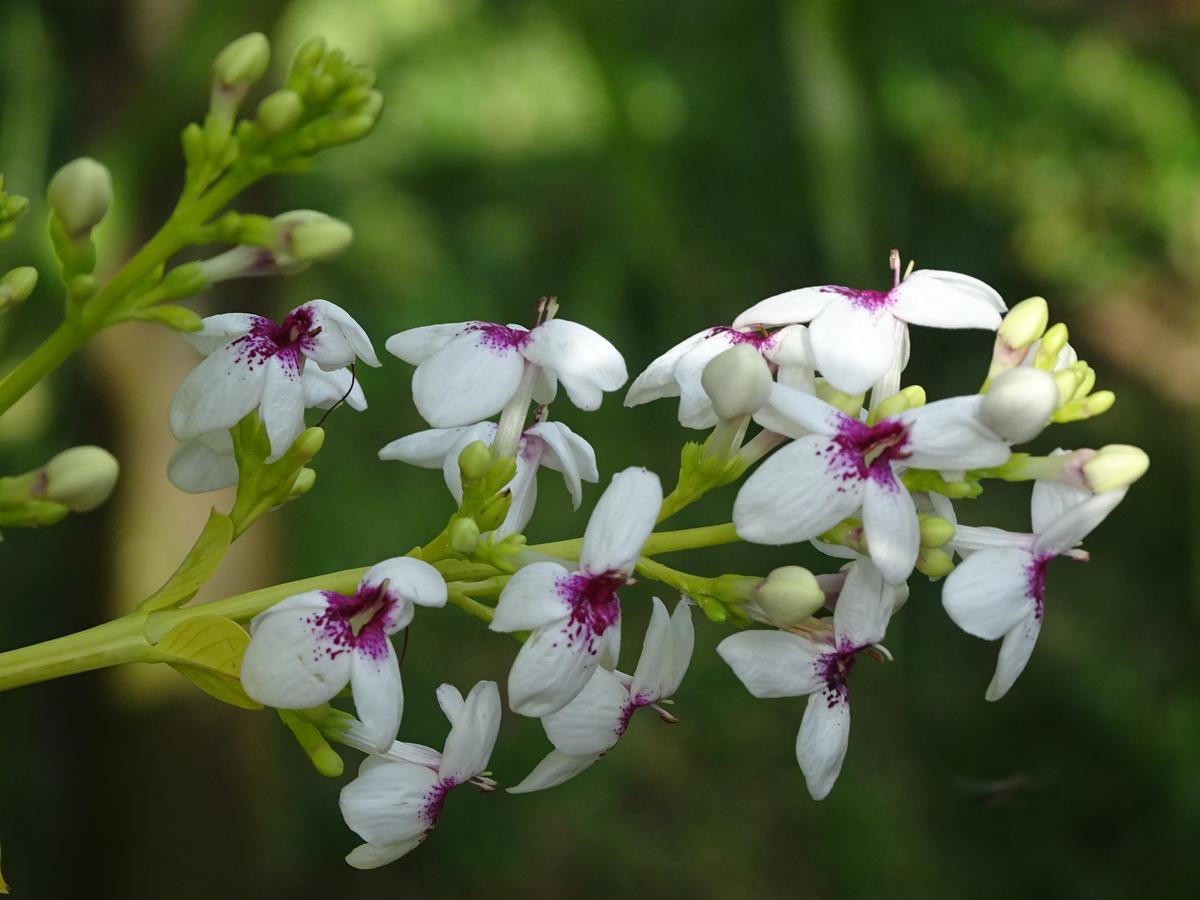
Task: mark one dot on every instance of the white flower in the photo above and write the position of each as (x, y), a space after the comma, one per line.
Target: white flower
(824, 476)
(999, 589)
(469, 371)
(678, 372)
(255, 364)
(575, 616)
(591, 724)
(854, 333)
(549, 444)
(306, 648)
(207, 462)
(397, 798)
(817, 662)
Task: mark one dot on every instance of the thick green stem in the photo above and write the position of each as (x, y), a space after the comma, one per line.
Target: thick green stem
(49, 355)
(662, 542)
(110, 644)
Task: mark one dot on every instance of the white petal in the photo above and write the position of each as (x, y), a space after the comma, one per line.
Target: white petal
(341, 337)
(553, 770)
(989, 592)
(795, 495)
(787, 308)
(864, 605)
(695, 408)
(378, 693)
(1078, 522)
(666, 652)
(523, 491)
(324, 390)
(217, 394)
(1051, 500)
(418, 344)
(890, 524)
(947, 434)
(385, 804)
(409, 580)
(658, 381)
(592, 722)
(791, 350)
(371, 856)
(293, 660)
(822, 742)
(282, 405)
(1015, 650)
(217, 331)
(586, 363)
(532, 598)
(473, 734)
(450, 699)
(469, 379)
(852, 344)
(545, 389)
(550, 671)
(773, 663)
(568, 453)
(621, 522)
(947, 300)
(427, 449)
(195, 468)
(804, 411)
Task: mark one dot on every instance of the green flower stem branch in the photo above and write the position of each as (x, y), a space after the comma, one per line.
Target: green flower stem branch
(659, 543)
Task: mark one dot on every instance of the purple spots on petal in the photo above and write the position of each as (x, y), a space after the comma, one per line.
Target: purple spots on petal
(860, 451)
(761, 341)
(353, 623)
(833, 668)
(594, 606)
(499, 338)
(869, 300)
(283, 342)
(1035, 582)
(435, 799)
(632, 705)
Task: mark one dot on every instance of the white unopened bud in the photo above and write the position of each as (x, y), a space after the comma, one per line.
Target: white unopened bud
(1115, 466)
(306, 236)
(737, 382)
(1019, 404)
(80, 194)
(789, 595)
(80, 478)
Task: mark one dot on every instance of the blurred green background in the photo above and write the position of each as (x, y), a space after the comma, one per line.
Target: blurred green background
(658, 166)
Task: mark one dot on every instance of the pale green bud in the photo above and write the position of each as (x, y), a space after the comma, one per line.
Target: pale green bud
(183, 281)
(279, 111)
(1067, 382)
(80, 478)
(1024, 323)
(737, 382)
(177, 317)
(936, 531)
(303, 483)
(789, 595)
(244, 61)
(309, 443)
(849, 404)
(16, 285)
(909, 398)
(304, 236)
(80, 194)
(494, 511)
(1052, 343)
(1019, 403)
(1115, 466)
(464, 536)
(915, 394)
(475, 461)
(934, 563)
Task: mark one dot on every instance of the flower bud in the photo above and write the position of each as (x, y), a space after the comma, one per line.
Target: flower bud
(737, 382)
(279, 111)
(789, 595)
(16, 285)
(1024, 323)
(933, 562)
(80, 193)
(304, 236)
(80, 478)
(244, 61)
(464, 536)
(309, 443)
(848, 404)
(936, 531)
(1052, 344)
(1115, 466)
(1019, 404)
(474, 461)
(303, 483)
(1067, 381)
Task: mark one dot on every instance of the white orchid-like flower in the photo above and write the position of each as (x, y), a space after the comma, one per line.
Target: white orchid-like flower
(591, 724)
(838, 464)
(207, 462)
(856, 334)
(254, 363)
(305, 649)
(999, 589)
(397, 798)
(549, 444)
(469, 371)
(816, 661)
(575, 616)
(677, 373)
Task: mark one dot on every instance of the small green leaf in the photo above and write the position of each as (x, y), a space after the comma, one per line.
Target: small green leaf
(197, 566)
(208, 650)
(323, 757)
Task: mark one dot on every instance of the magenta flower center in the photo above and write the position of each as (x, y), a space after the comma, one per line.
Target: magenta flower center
(284, 342)
(759, 340)
(354, 623)
(870, 300)
(832, 669)
(499, 338)
(435, 799)
(1035, 582)
(859, 451)
(594, 606)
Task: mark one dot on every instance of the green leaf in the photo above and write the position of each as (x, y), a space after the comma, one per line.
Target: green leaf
(208, 650)
(197, 567)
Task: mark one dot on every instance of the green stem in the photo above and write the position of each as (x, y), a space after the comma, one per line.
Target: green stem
(661, 542)
(49, 355)
(110, 644)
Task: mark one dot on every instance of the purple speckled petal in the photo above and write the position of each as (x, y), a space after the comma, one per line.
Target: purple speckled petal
(298, 656)
(469, 379)
(553, 666)
(409, 581)
(1015, 650)
(822, 742)
(788, 308)
(990, 591)
(218, 393)
(554, 769)
(773, 663)
(473, 735)
(386, 804)
(890, 524)
(586, 363)
(376, 686)
(217, 331)
(341, 340)
(594, 720)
